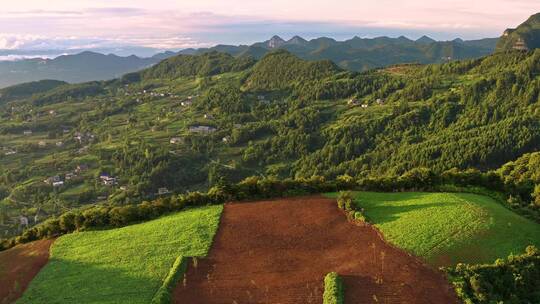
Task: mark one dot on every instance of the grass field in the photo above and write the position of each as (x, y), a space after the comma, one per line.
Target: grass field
(125, 265)
(447, 228)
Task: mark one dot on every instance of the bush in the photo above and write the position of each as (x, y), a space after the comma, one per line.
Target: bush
(333, 289)
(512, 280)
(345, 200)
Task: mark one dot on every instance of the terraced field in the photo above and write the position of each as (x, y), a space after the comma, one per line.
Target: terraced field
(447, 228)
(125, 265)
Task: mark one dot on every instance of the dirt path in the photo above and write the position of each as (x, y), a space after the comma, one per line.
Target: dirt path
(19, 265)
(279, 251)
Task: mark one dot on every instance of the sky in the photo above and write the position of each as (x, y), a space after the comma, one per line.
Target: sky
(37, 25)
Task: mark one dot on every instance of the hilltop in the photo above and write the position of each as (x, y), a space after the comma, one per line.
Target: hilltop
(525, 37)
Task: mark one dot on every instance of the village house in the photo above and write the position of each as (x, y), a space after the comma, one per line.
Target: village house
(59, 144)
(27, 132)
(202, 129)
(108, 180)
(365, 105)
(52, 179)
(42, 144)
(70, 176)
(208, 116)
(176, 140)
(58, 184)
(379, 101)
(226, 139)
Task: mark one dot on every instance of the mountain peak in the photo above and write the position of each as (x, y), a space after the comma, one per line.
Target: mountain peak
(525, 37)
(275, 42)
(297, 40)
(425, 40)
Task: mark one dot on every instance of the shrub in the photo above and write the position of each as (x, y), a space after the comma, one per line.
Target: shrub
(345, 200)
(512, 280)
(333, 289)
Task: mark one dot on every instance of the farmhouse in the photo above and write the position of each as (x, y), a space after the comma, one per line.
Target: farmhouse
(58, 184)
(379, 101)
(53, 179)
(10, 152)
(208, 116)
(27, 132)
(42, 143)
(202, 129)
(226, 139)
(108, 180)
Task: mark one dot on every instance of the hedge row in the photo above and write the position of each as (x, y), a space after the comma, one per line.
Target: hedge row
(333, 289)
(163, 295)
(253, 188)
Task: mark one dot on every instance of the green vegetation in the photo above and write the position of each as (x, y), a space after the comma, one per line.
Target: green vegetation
(163, 295)
(194, 122)
(514, 280)
(333, 289)
(126, 265)
(448, 228)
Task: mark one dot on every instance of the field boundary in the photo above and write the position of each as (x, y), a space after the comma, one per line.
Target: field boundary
(163, 295)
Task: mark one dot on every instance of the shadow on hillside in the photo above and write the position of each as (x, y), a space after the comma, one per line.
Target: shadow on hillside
(62, 281)
(386, 213)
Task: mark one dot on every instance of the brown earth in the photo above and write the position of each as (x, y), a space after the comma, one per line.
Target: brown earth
(279, 252)
(19, 265)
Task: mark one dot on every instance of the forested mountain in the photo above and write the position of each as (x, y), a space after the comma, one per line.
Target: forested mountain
(193, 121)
(360, 54)
(356, 54)
(81, 67)
(525, 37)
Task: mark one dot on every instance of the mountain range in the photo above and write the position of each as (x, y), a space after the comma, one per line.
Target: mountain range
(356, 54)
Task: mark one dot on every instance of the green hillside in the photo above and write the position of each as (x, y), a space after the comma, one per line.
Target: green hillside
(449, 228)
(125, 265)
(196, 121)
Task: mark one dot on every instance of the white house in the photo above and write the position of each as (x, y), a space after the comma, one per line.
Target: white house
(202, 129)
(365, 105)
(58, 184)
(27, 132)
(162, 191)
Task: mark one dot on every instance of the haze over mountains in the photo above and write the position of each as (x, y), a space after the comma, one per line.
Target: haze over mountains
(356, 54)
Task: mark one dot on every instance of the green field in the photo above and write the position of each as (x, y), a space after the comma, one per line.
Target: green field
(448, 228)
(125, 265)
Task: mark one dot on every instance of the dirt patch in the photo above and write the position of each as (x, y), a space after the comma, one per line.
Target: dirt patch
(279, 251)
(19, 265)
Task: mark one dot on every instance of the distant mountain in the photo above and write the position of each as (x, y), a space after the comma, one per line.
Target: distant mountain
(525, 37)
(86, 66)
(360, 54)
(425, 40)
(356, 54)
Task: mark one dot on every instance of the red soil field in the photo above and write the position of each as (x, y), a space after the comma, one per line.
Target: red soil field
(19, 265)
(279, 252)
